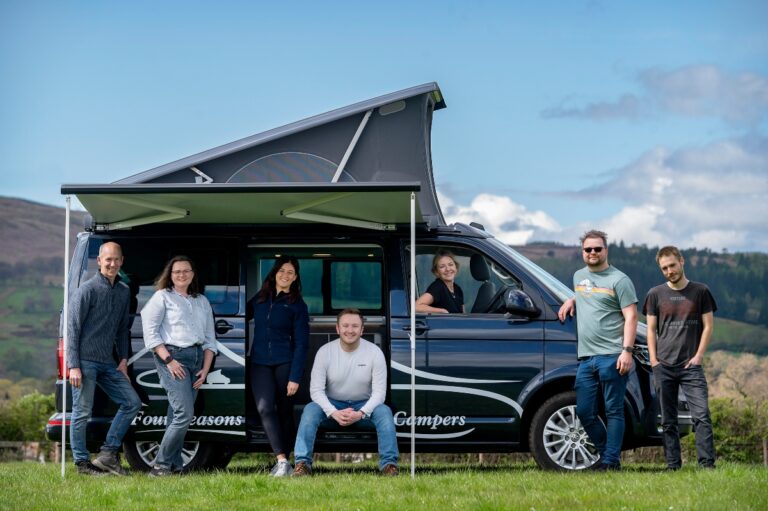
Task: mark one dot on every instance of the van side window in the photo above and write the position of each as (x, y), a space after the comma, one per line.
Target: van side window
(356, 284)
(479, 277)
(218, 269)
(333, 277)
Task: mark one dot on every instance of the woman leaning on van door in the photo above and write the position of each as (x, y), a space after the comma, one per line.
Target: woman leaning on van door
(443, 295)
(278, 354)
(178, 326)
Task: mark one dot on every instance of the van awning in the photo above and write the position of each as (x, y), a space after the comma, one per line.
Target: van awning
(378, 205)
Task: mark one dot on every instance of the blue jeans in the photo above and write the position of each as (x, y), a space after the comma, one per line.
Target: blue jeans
(119, 389)
(181, 404)
(694, 384)
(314, 416)
(598, 373)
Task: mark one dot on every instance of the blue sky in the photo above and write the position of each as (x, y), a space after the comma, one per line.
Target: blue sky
(646, 119)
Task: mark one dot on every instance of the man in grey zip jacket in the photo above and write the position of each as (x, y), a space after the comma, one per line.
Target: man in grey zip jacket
(98, 329)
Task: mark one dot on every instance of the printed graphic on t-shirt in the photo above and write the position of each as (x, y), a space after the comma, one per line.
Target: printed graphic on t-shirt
(681, 311)
(586, 286)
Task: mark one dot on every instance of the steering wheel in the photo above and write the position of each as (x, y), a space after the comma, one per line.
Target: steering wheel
(496, 304)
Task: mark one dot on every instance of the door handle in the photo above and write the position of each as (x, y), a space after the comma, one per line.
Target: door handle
(222, 327)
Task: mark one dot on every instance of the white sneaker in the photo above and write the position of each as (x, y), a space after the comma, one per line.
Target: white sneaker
(281, 469)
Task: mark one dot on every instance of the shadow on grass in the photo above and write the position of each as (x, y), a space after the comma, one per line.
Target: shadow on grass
(369, 468)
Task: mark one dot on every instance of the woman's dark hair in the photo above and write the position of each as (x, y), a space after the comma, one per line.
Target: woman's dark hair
(163, 281)
(269, 287)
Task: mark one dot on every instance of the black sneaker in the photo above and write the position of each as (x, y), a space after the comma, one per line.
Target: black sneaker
(87, 468)
(109, 462)
(161, 472)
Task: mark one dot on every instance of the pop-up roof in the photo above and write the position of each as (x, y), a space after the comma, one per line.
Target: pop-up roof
(382, 144)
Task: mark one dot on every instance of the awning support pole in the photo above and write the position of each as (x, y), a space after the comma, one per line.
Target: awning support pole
(413, 335)
(65, 333)
(169, 213)
(337, 220)
(351, 146)
(299, 213)
(317, 202)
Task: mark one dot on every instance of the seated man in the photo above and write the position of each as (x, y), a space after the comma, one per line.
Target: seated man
(348, 384)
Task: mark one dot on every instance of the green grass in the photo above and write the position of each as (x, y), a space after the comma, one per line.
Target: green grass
(245, 485)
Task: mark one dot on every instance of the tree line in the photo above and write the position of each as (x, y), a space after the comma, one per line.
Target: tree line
(739, 282)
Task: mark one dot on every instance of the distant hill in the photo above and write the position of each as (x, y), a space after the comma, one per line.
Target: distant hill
(738, 281)
(31, 275)
(31, 270)
(30, 230)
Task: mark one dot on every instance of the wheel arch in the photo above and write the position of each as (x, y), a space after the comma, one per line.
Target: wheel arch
(633, 427)
(536, 399)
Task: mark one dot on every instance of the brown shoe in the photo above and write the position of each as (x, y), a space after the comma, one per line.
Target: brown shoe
(302, 469)
(390, 470)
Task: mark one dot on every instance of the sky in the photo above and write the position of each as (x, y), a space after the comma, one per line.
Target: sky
(648, 120)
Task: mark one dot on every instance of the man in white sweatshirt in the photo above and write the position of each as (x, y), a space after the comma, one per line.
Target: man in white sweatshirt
(348, 384)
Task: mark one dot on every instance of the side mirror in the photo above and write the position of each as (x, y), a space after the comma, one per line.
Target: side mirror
(517, 302)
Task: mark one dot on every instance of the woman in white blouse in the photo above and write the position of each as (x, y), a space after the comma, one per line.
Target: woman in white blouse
(178, 327)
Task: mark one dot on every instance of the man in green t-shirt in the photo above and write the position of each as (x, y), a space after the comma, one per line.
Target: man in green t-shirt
(607, 321)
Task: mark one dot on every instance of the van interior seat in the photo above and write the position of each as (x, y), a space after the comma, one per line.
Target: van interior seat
(478, 267)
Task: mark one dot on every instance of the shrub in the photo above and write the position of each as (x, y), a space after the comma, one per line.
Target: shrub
(24, 419)
(740, 427)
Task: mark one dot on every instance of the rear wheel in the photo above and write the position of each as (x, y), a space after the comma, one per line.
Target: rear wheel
(557, 439)
(141, 455)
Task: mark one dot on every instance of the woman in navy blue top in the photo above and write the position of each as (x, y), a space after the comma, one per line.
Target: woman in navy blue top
(278, 354)
(443, 295)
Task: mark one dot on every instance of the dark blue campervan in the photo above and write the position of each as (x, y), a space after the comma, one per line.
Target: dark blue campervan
(335, 191)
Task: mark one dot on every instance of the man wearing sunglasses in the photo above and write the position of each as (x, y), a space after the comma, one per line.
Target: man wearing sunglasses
(607, 306)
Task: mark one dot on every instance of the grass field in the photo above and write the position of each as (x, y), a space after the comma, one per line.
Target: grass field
(245, 485)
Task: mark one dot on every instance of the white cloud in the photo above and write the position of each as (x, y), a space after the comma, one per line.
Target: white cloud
(694, 91)
(713, 196)
(512, 223)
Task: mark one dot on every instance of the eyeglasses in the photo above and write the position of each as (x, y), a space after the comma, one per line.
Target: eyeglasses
(589, 250)
(181, 272)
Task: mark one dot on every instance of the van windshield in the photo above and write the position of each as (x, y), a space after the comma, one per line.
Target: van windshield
(556, 287)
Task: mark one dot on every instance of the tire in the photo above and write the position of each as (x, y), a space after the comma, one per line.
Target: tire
(141, 454)
(557, 440)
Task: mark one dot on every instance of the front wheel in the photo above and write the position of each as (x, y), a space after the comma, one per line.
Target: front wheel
(141, 455)
(557, 439)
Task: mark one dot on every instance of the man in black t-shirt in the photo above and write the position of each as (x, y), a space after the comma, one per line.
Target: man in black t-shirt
(680, 318)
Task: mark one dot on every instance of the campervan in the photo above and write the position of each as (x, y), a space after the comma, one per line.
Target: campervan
(350, 193)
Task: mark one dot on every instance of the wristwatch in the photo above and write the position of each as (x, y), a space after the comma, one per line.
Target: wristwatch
(628, 349)
(167, 360)
(365, 415)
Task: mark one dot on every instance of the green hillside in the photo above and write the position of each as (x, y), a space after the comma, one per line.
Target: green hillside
(739, 282)
(31, 270)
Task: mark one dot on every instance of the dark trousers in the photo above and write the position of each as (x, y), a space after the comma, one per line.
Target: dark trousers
(668, 382)
(269, 385)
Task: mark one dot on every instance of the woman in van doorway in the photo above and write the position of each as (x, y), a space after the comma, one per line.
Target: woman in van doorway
(443, 295)
(278, 354)
(178, 327)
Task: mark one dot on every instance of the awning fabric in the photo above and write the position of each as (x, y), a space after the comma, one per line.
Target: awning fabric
(369, 205)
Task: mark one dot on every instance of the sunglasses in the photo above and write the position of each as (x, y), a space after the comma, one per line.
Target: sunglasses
(596, 250)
